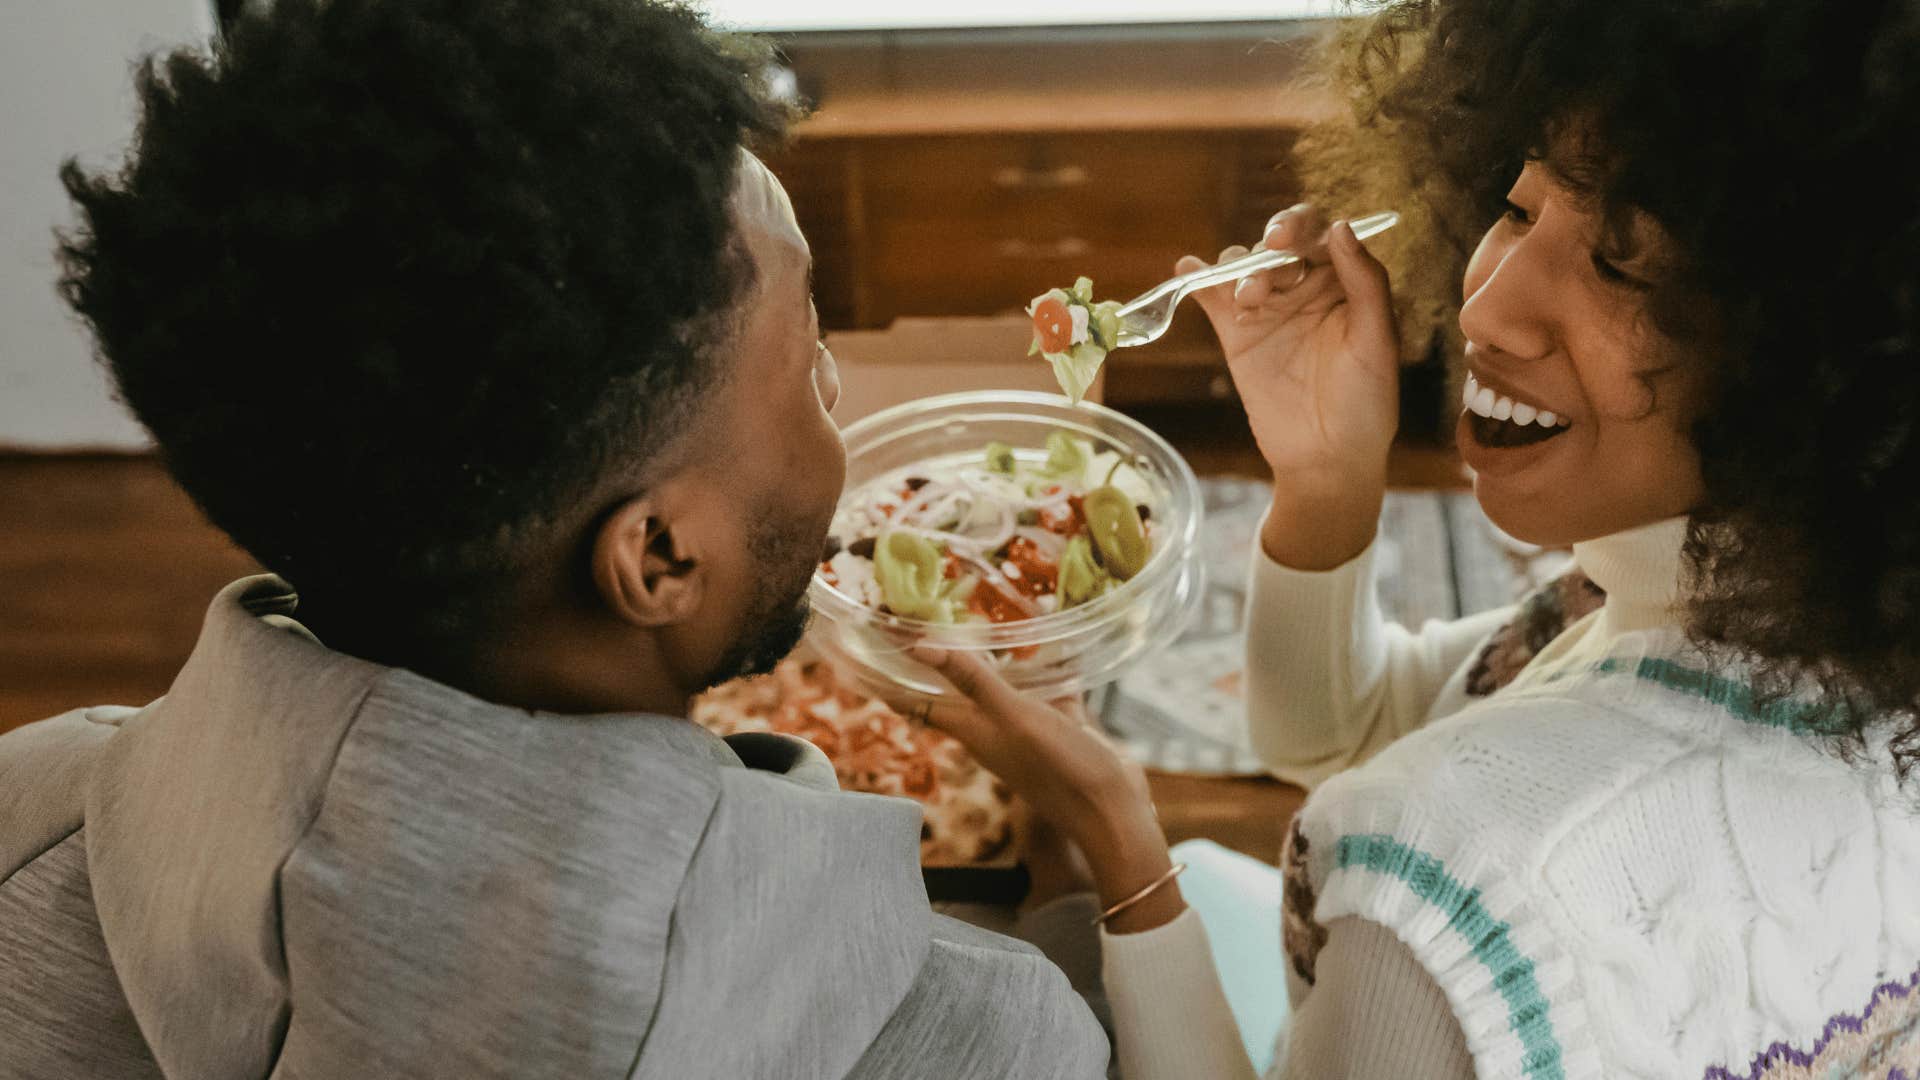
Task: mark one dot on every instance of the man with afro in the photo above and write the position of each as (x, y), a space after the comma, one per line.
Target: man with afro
(478, 324)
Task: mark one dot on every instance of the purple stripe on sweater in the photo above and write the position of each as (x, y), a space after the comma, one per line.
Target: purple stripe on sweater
(1844, 1023)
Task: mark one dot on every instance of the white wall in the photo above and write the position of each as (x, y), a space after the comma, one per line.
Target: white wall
(65, 88)
(893, 15)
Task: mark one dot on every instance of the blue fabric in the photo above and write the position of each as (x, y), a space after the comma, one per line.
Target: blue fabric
(1238, 901)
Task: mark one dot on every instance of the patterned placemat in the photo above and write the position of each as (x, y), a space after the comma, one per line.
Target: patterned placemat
(1183, 710)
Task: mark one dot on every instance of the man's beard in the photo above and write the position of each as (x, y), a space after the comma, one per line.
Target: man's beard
(778, 613)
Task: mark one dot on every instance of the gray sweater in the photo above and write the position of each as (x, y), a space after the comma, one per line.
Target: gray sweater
(300, 864)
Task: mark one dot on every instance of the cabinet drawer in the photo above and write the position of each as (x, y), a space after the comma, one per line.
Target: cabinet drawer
(1102, 176)
(979, 225)
(958, 267)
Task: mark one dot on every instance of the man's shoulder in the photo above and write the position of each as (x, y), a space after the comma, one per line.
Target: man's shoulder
(44, 770)
(422, 739)
(995, 1004)
(533, 861)
(872, 992)
(804, 906)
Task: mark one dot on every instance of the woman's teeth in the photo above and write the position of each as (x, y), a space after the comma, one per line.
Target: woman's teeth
(1482, 401)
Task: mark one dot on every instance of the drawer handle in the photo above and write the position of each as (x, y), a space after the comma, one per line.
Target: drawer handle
(1071, 247)
(1016, 177)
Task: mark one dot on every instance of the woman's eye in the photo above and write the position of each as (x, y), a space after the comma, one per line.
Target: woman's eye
(1517, 213)
(1610, 272)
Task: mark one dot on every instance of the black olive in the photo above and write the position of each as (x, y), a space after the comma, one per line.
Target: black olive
(864, 547)
(1146, 512)
(915, 483)
(833, 548)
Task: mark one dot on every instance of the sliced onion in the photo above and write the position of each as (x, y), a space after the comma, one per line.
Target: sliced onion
(1050, 544)
(920, 501)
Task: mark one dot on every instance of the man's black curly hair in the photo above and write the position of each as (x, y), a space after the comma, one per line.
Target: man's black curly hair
(396, 284)
(1776, 141)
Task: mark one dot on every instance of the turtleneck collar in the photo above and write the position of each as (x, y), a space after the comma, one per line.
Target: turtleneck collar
(1640, 569)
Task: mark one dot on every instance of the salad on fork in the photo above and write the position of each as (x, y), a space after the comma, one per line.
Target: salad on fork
(1075, 333)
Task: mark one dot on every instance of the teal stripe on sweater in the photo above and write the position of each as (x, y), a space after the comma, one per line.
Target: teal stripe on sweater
(1491, 939)
(1798, 717)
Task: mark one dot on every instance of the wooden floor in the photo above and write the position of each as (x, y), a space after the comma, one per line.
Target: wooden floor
(106, 570)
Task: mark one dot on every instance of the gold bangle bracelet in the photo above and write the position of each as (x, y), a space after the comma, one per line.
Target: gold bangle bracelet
(1177, 869)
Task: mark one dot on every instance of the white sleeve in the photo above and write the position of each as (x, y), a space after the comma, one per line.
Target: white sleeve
(1329, 680)
(1374, 1014)
(1171, 1020)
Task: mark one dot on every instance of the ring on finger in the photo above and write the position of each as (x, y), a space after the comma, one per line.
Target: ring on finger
(1300, 272)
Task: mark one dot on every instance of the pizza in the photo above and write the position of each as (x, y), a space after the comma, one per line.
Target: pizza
(970, 818)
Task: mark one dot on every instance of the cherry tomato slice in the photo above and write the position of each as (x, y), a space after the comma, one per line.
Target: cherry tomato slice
(1053, 325)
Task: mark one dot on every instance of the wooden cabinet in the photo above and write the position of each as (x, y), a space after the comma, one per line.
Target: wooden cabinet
(977, 224)
(963, 174)
(973, 225)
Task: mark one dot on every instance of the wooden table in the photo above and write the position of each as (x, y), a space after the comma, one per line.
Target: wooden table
(1249, 815)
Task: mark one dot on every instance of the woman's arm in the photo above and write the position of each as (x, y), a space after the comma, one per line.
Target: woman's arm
(1171, 1020)
(1330, 680)
(1315, 357)
(1169, 1012)
(1373, 1014)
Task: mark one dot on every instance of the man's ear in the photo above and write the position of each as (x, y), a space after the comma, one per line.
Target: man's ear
(644, 570)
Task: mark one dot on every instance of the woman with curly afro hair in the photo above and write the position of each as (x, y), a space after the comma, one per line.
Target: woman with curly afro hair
(1658, 820)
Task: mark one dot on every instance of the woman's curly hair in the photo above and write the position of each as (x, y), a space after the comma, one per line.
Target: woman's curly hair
(1776, 142)
(395, 286)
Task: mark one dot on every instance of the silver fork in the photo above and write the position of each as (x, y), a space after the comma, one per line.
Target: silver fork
(1146, 317)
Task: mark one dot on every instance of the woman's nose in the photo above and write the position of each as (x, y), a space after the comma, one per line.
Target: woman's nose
(1509, 298)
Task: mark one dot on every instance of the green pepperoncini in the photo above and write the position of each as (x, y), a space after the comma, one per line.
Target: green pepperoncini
(1117, 531)
(911, 570)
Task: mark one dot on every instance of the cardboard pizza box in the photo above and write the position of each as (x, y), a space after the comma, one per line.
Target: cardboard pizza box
(921, 357)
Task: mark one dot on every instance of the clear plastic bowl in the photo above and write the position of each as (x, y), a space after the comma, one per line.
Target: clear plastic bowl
(1065, 652)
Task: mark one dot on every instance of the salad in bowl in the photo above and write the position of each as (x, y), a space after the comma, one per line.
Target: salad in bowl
(1055, 539)
(998, 539)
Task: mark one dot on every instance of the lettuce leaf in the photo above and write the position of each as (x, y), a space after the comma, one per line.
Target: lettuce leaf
(1075, 370)
(1081, 578)
(1096, 333)
(1067, 457)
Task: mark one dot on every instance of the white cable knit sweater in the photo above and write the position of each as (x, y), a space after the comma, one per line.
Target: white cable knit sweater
(1619, 864)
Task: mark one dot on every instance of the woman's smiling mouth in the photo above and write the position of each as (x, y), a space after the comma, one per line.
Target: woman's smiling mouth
(1499, 421)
